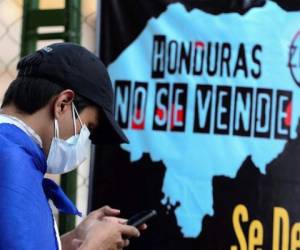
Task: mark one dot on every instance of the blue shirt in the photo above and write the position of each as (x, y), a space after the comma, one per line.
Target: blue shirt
(26, 220)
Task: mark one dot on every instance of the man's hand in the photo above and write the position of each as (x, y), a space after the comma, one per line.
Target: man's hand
(94, 217)
(100, 230)
(106, 235)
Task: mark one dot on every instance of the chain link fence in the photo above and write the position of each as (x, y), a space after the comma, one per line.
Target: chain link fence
(10, 40)
(11, 12)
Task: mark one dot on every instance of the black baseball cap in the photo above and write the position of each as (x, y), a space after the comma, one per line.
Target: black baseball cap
(72, 66)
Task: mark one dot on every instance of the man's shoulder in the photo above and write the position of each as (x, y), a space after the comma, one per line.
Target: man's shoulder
(16, 161)
(17, 147)
(10, 149)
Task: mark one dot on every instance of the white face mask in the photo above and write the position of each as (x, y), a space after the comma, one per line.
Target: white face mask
(66, 155)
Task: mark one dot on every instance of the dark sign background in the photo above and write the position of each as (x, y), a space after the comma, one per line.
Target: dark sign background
(135, 186)
(123, 20)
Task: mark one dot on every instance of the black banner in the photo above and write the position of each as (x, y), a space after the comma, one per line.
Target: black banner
(207, 92)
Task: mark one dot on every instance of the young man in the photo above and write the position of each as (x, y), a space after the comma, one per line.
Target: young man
(61, 98)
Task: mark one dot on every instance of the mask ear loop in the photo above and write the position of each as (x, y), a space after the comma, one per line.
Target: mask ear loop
(77, 114)
(74, 119)
(56, 129)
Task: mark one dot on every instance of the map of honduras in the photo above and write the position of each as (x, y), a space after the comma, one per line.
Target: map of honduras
(193, 159)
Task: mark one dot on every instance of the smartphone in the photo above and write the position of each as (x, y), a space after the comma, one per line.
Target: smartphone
(140, 218)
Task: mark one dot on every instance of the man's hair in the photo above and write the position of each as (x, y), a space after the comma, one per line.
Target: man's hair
(30, 94)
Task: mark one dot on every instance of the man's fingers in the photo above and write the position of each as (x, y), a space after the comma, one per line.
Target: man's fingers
(123, 243)
(143, 227)
(129, 231)
(108, 211)
(122, 221)
(105, 211)
(126, 243)
(76, 243)
(114, 219)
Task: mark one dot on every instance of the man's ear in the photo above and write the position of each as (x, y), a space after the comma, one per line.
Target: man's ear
(62, 101)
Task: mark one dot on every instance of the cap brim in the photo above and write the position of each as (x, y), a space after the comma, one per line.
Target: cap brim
(109, 131)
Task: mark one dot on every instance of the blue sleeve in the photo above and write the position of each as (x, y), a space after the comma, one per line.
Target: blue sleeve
(25, 216)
